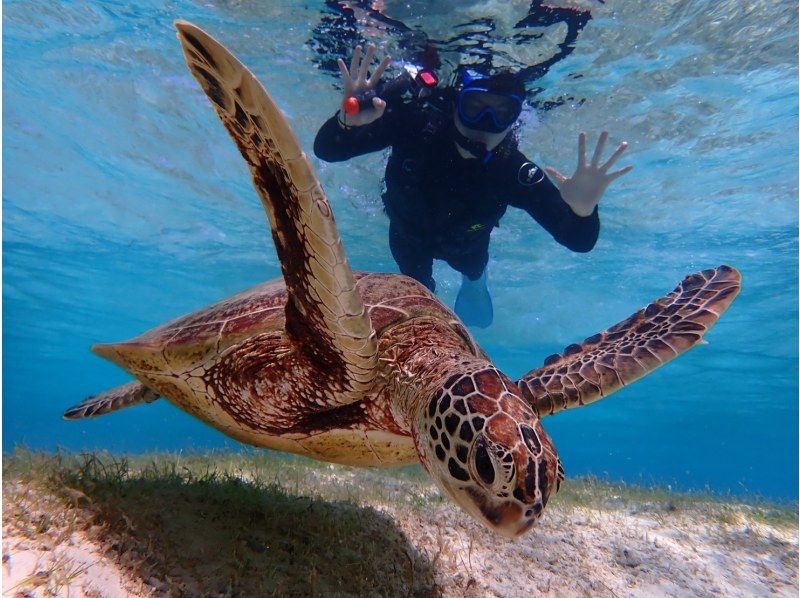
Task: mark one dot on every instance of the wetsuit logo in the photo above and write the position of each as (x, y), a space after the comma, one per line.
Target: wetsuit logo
(476, 227)
(529, 174)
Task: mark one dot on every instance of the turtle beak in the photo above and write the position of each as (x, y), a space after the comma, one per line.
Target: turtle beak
(508, 521)
(501, 516)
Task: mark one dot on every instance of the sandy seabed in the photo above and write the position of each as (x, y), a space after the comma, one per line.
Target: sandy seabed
(261, 525)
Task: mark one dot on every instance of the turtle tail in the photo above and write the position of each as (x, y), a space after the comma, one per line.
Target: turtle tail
(127, 395)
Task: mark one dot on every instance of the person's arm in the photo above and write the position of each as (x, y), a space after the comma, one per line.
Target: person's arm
(344, 136)
(336, 142)
(530, 190)
(568, 208)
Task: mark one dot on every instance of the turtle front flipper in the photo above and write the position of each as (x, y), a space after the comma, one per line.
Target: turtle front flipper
(325, 315)
(120, 397)
(636, 346)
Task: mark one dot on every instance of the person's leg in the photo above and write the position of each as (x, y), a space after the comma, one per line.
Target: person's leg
(473, 302)
(412, 254)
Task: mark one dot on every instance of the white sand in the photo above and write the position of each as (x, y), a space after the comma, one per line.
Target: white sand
(584, 552)
(630, 549)
(75, 567)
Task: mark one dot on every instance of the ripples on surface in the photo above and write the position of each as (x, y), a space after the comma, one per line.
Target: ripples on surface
(126, 204)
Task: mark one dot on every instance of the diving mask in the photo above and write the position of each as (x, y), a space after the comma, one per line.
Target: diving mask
(483, 110)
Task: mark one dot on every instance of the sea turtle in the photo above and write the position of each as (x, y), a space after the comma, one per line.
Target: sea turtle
(372, 369)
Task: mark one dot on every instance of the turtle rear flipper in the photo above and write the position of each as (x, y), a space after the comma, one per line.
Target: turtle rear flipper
(127, 395)
(325, 315)
(607, 361)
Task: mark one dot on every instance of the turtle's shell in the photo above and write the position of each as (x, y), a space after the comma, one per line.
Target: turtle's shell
(183, 344)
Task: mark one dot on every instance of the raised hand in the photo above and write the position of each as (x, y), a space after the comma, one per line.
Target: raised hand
(356, 81)
(583, 190)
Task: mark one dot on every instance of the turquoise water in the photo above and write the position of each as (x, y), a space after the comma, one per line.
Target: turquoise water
(125, 204)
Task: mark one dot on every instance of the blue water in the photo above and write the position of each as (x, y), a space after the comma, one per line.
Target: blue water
(125, 204)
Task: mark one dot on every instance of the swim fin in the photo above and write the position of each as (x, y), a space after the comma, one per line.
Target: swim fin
(474, 303)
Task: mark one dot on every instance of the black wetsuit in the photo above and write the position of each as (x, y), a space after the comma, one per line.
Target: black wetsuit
(441, 205)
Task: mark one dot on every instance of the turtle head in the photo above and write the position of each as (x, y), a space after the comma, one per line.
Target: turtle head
(483, 444)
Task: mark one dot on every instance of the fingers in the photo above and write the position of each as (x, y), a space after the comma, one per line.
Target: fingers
(362, 71)
(356, 77)
(615, 175)
(344, 71)
(376, 76)
(379, 106)
(598, 151)
(365, 117)
(560, 178)
(355, 62)
(582, 150)
(615, 156)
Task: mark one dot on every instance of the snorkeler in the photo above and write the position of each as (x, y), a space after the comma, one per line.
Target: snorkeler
(455, 168)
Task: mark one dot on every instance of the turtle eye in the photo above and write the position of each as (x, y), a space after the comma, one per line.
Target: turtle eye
(483, 462)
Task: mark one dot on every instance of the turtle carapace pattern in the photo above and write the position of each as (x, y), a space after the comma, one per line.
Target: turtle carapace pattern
(372, 369)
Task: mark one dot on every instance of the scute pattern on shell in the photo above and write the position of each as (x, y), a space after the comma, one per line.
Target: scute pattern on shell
(630, 349)
(325, 316)
(191, 339)
(232, 365)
